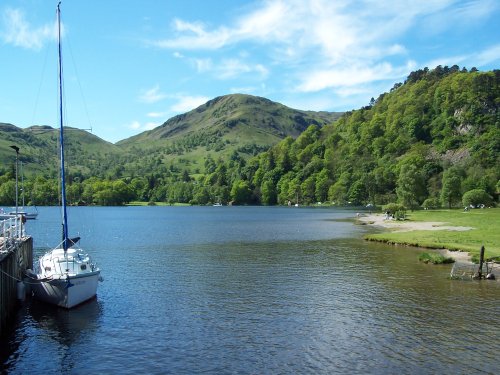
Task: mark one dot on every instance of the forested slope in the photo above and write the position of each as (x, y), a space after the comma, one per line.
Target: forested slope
(426, 142)
(435, 136)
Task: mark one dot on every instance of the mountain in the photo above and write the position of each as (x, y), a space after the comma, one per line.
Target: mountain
(426, 142)
(238, 123)
(233, 123)
(39, 150)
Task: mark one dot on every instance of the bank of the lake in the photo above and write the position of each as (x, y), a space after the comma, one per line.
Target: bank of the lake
(455, 230)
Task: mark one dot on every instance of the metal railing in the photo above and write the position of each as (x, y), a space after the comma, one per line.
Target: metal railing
(11, 231)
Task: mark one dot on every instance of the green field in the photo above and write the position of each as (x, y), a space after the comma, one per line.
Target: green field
(485, 232)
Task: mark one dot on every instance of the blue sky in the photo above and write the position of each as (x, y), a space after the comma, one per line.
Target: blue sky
(131, 65)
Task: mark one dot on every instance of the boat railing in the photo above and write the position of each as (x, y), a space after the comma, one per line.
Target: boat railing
(69, 264)
(11, 231)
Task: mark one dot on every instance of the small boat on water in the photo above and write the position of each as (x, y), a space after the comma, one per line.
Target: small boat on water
(65, 276)
(4, 215)
(31, 215)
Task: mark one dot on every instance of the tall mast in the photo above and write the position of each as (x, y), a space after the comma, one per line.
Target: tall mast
(16, 149)
(61, 137)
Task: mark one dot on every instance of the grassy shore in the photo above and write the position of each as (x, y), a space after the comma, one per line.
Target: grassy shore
(484, 230)
(138, 203)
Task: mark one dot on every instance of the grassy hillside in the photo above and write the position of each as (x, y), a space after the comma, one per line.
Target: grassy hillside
(229, 125)
(86, 155)
(226, 125)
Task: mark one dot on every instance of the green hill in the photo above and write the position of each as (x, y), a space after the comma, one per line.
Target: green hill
(426, 142)
(223, 126)
(88, 155)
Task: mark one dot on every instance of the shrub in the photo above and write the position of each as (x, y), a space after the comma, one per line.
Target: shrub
(431, 203)
(435, 258)
(398, 211)
(476, 197)
(392, 208)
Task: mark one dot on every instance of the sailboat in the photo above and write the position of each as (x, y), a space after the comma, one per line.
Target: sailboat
(66, 275)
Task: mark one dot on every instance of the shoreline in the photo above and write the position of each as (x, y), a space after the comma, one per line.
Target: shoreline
(379, 220)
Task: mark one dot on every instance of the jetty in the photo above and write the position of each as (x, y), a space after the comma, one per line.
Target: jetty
(16, 256)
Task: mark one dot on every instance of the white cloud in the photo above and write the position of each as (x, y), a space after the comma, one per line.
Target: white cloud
(186, 103)
(347, 76)
(193, 36)
(18, 32)
(134, 125)
(324, 44)
(490, 55)
(203, 65)
(230, 68)
(243, 90)
(156, 114)
(137, 126)
(152, 95)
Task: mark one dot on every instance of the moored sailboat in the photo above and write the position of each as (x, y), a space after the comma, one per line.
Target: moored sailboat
(66, 276)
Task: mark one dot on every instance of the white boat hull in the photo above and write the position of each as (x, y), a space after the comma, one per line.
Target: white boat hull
(68, 291)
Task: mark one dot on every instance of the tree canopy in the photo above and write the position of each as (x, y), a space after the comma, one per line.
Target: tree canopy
(430, 139)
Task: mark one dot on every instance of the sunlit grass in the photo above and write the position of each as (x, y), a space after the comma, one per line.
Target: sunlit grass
(485, 232)
(434, 258)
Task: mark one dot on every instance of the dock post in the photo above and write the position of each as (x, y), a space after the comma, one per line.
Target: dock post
(16, 255)
(479, 274)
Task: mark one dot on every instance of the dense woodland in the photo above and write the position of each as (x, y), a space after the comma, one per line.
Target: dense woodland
(426, 143)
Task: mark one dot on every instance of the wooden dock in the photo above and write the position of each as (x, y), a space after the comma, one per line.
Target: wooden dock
(16, 255)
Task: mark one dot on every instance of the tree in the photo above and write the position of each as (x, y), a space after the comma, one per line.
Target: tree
(323, 183)
(357, 193)
(7, 193)
(308, 188)
(452, 183)
(338, 192)
(241, 192)
(410, 185)
(268, 193)
(431, 203)
(476, 197)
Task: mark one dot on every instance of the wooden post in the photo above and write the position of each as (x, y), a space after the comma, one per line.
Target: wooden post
(481, 261)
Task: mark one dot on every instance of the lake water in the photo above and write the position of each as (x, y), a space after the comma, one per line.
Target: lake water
(252, 290)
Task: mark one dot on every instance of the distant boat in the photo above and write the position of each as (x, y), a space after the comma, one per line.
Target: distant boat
(5, 215)
(66, 275)
(218, 204)
(28, 215)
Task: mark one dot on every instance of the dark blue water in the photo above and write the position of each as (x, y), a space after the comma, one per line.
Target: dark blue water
(252, 290)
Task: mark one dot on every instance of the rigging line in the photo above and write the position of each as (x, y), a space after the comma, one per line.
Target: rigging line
(37, 98)
(12, 277)
(84, 101)
(25, 281)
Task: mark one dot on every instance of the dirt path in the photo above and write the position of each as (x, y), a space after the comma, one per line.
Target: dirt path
(406, 226)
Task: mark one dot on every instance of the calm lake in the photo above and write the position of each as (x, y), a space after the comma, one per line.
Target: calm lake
(252, 290)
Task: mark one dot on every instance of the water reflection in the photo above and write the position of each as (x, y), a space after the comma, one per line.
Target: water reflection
(57, 332)
(66, 326)
(226, 291)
